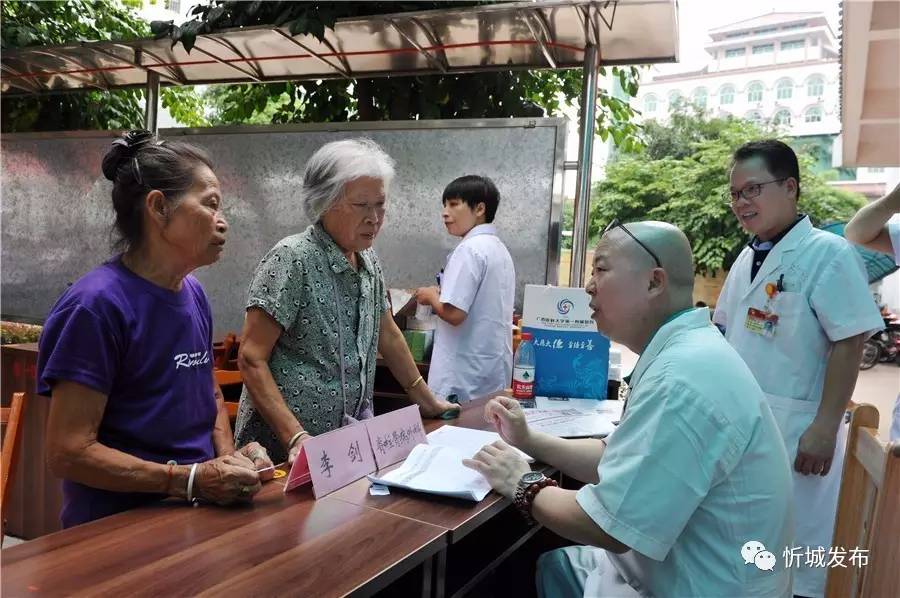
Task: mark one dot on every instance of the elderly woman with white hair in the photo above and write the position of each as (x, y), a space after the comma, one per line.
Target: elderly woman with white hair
(318, 312)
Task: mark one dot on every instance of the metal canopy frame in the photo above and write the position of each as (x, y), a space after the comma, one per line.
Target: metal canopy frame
(554, 34)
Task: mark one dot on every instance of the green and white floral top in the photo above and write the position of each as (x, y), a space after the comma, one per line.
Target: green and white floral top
(309, 287)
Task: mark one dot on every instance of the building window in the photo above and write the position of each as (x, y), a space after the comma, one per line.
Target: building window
(876, 170)
(738, 34)
(794, 26)
(813, 115)
(782, 117)
(754, 117)
(700, 96)
(764, 49)
(785, 89)
(650, 103)
(793, 45)
(815, 86)
(726, 95)
(735, 52)
(674, 99)
(173, 5)
(764, 31)
(755, 92)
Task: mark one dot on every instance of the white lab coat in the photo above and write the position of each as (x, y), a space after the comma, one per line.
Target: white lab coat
(825, 299)
(475, 358)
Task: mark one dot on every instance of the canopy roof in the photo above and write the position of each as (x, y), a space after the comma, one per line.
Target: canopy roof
(505, 36)
(870, 83)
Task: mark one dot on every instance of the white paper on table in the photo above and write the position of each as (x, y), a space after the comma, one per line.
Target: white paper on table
(438, 470)
(574, 418)
(466, 440)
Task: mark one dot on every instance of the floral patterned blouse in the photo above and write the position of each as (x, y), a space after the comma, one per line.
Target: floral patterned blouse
(326, 309)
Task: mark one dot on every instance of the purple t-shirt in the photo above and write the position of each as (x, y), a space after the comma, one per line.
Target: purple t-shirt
(149, 350)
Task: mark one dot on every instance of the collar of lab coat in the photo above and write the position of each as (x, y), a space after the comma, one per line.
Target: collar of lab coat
(687, 320)
(781, 253)
(481, 229)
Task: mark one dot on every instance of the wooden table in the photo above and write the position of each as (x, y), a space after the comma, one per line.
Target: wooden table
(459, 517)
(346, 543)
(281, 545)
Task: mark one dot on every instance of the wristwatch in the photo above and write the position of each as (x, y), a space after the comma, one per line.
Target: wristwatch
(529, 485)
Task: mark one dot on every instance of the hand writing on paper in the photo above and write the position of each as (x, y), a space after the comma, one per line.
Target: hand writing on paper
(226, 480)
(501, 465)
(508, 417)
(815, 450)
(260, 457)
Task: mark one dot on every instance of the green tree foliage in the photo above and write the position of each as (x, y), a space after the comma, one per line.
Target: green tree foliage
(482, 95)
(62, 22)
(681, 178)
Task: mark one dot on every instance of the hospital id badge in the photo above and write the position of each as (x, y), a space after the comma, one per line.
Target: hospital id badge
(761, 322)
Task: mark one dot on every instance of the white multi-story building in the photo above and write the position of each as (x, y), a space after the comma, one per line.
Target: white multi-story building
(782, 68)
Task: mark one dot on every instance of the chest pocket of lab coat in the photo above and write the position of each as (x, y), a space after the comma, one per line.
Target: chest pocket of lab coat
(792, 309)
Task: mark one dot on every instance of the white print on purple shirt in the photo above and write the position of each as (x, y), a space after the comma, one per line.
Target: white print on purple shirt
(191, 360)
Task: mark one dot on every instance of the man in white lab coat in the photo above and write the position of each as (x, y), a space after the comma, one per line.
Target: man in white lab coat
(472, 354)
(797, 308)
(690, 496)
(870, 228)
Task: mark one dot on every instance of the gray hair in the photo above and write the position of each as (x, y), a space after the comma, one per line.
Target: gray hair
(334, 165)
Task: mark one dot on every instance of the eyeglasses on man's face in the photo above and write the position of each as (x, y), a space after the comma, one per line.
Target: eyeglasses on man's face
(750, 191)
(615, 223)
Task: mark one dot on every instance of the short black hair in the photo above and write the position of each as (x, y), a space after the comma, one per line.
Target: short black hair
(474, 189)
(779, 158)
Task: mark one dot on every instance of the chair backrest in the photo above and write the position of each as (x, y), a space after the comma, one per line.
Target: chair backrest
(868, 515)
(10, 417)
(228, 348)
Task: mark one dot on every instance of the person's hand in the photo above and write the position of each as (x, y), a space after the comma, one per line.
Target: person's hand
(295, 450)
(508, 417)
(429, 405)
(428, 296)
(226, 480)
(260, 457)
(501, 465)
(815, 449)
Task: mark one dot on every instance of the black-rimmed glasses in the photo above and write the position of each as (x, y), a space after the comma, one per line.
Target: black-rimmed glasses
(615, 223)
(751, 191)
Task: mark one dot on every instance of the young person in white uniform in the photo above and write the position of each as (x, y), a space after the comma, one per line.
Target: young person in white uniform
(870, 228)
(695, 471)
(472, 355)
(796, 305)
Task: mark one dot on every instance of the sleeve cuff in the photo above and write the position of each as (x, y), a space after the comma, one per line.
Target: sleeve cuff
(621, 531)
(868, 328)
(49, 378)
(265, 306)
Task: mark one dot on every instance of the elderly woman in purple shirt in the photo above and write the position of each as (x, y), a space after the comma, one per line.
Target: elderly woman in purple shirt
(126, 353)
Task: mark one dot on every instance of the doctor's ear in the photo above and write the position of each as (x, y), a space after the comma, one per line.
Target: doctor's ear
(658, 281)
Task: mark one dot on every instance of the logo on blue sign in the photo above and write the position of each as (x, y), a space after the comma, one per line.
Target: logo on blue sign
(564, 306)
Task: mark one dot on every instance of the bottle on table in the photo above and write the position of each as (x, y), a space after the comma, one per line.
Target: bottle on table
(523, 371)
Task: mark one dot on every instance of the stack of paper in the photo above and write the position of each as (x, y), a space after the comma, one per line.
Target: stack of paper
(437, 468)
(574, 418)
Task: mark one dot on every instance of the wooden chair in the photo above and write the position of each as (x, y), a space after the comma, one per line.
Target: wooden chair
(228, 348)
(225, 378)
(10, 417)
(868, 515)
